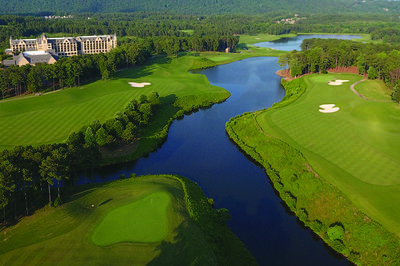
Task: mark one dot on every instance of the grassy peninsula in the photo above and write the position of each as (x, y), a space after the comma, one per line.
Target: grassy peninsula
(127, 225)
(336, 171)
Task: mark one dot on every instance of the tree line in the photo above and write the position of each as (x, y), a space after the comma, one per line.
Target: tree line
(137, 24)
(201, 6)
(141, 24)
(28, 173)
(379, 61)
(70, 71)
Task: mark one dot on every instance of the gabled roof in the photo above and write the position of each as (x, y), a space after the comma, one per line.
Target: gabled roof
(36, 57)
(61, 40)
(32, 57)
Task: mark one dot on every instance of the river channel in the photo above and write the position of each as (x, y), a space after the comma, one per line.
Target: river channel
(199, 148)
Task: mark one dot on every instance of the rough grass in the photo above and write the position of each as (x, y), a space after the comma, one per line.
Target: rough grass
(374, 90)
(355, 148)
(62, 236)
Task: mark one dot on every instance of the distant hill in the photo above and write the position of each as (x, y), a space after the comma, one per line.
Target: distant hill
(199, 7)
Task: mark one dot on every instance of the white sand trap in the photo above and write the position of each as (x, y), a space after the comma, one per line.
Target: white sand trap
(328, 108)
(139, 85)
(337, 82)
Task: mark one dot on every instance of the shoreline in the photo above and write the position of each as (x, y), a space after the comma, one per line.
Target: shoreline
(286, 166)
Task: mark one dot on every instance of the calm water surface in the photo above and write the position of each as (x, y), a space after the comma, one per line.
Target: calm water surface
(288, 44)
(198, 148)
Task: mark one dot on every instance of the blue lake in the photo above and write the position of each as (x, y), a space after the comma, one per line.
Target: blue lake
(199, 148)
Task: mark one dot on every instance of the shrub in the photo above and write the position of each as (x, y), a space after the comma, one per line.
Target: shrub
(339, 246)
(211, 202)
(223, 215)
(372, 73)
(396, 94)
(122, 176)
(101, 136)
(132, 175)
(335, 232)
(317, 226)
(57, 202)
(303, 215)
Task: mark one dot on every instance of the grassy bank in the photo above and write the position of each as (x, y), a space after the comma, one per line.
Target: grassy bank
(189, 231)
(50, 118)
(336, 171)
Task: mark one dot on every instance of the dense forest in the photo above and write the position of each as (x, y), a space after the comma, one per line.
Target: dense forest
(141, 25)
(200, 7)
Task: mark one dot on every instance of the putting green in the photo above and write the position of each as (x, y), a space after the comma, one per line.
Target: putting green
(143, 221)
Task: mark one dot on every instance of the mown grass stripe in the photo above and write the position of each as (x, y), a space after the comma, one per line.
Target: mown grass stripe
(356, 144)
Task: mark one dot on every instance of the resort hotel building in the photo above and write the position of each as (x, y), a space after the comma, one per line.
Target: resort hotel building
(43, 48)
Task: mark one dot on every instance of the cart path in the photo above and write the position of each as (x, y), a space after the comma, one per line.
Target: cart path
(362, 96)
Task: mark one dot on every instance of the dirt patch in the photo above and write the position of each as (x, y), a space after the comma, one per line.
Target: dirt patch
(309, 169)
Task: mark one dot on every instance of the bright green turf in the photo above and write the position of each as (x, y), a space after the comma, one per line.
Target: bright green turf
(356, 148)
(52, 117)
(143, 221)
(219, 58)
(63, 235)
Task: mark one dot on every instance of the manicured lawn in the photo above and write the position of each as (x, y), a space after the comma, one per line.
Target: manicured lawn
(219, 58)
(52, 117)
(120, 230)
(355, 148)
(143, 221)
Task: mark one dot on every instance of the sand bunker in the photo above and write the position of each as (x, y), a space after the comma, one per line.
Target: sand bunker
(139, 85)
(337, 82)
(328, 108)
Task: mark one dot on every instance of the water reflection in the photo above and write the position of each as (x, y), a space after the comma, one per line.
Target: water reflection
(289, 44)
